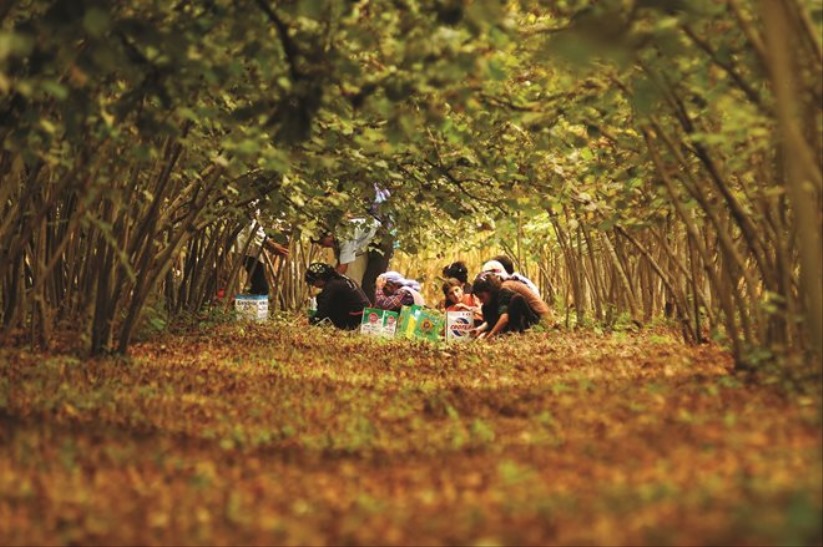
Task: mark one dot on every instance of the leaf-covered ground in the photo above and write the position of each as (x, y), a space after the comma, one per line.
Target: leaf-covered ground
(282, 435)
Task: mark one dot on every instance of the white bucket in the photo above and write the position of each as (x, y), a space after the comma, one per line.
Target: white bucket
(252, 307)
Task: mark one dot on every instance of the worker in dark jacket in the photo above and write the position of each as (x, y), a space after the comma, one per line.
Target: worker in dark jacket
(508, 306)
(340, 299)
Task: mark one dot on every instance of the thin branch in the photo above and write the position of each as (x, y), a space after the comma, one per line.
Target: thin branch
(748, 90)
(289, 47)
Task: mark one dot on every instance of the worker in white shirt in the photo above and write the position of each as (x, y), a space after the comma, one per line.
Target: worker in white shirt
(352, 250)
(254, 250)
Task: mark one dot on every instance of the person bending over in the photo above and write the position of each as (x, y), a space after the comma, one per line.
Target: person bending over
(394, 291)
(340, 299)
(504, 310)
(504, 268)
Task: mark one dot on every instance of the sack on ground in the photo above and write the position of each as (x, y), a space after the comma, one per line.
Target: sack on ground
(407, 320)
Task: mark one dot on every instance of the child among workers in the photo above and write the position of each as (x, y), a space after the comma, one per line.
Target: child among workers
(458, 300)
(459, 271)
(456, 270)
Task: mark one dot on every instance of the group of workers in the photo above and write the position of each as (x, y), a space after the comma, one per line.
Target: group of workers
(500, 299)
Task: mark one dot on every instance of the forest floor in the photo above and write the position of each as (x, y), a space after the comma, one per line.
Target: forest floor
(278, 434)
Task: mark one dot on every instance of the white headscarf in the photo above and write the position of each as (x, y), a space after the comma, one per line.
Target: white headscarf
(392, 277)
(409, 285)
(495, 267)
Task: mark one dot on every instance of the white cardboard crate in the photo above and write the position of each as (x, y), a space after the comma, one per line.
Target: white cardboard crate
(252, 307)
(458, 325)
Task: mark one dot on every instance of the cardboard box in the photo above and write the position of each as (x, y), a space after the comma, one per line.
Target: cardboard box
(428, 325)
(377, 322)
(407, 321)
(459, 325)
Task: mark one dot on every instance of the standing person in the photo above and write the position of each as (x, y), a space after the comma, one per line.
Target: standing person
(254, 242)
(340, 300)
(351, 251)
(504, 310)
(395, 291)
(381, 248)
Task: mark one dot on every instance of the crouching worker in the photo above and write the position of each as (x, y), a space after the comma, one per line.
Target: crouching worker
(505, 309)
(340, 300)
(394, 291)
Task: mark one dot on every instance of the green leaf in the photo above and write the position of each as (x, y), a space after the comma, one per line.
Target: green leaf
(495, 70)
(96, 22)
(313, 9)
(57, 90)
(12, 43)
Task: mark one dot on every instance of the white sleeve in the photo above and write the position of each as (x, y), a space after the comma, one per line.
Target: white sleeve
(257, 235)
(364, 231)
(348, 252)
(529, 284)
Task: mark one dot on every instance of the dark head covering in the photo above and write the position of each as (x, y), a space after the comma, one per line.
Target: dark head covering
(487, 282)
(317, 271)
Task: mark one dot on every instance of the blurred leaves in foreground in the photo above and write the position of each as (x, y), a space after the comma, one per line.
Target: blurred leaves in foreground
(274, 435)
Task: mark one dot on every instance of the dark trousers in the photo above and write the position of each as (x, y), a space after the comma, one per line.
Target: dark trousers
(521, 316)
(380, 254)
(257, 276)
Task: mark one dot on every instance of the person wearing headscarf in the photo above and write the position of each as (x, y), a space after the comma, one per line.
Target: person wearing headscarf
(504, 309)
(531, 296)
(395, 291)
(340, 300)
(504, 268)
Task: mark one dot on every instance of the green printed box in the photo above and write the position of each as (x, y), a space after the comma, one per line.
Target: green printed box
(377, 322)
(429, 325)
(408, 318)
